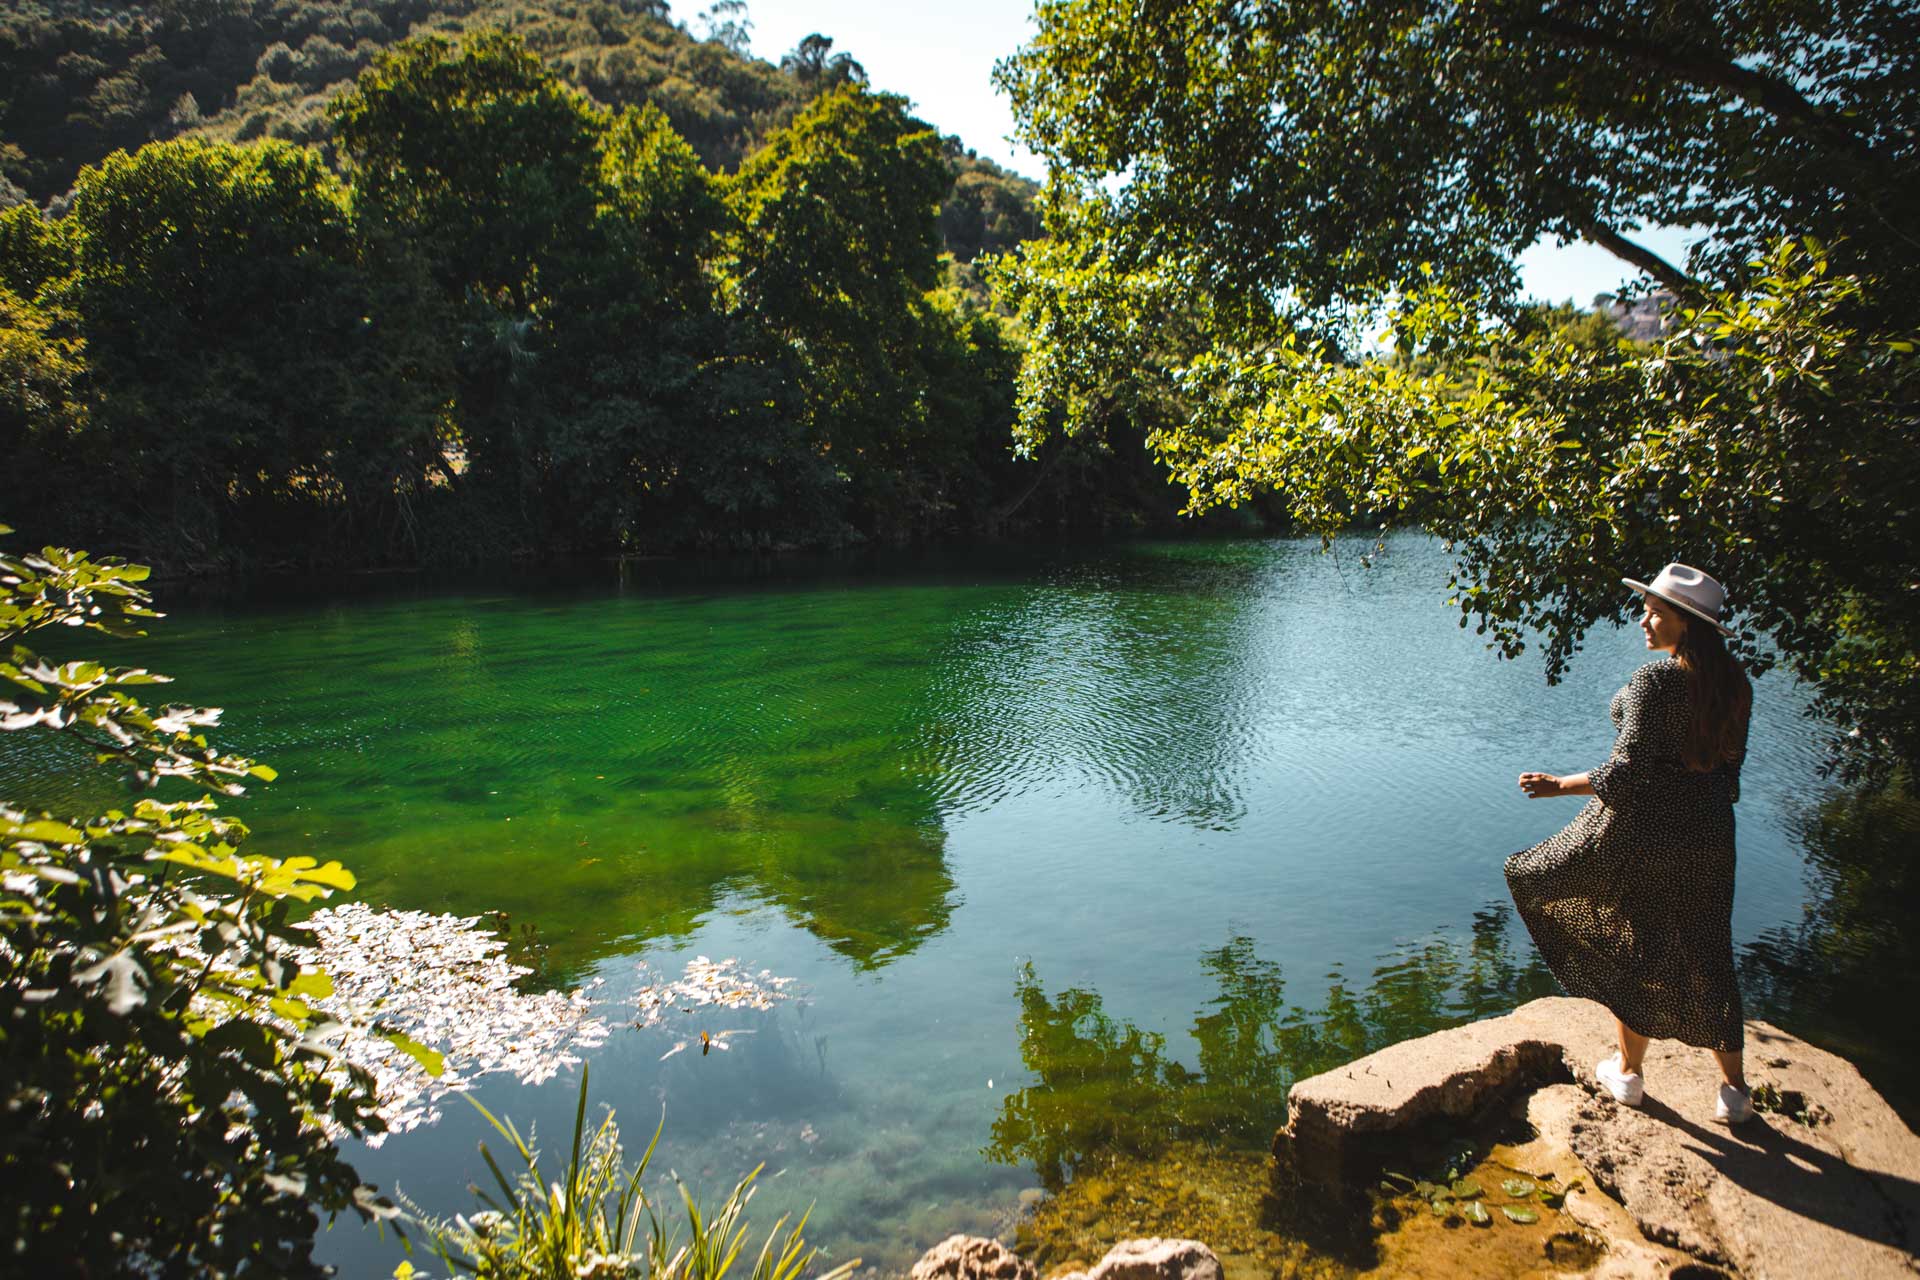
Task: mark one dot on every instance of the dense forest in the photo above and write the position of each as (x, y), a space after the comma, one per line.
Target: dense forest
(302, 283)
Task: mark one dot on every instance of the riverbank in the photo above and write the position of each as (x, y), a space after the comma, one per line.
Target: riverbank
(1484, 1151)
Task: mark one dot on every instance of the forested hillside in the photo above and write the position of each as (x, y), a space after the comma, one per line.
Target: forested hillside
(472, 312)
(81, 80)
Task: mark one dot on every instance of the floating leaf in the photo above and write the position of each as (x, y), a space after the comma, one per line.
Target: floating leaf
(1477, 1213)
(313, 983)
(1518, 1188)
(1468, 1189)
(432, 1061)
(1518, 1213)
(1400, 1178)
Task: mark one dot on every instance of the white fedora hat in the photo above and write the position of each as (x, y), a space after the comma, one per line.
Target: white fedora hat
(1685, 587)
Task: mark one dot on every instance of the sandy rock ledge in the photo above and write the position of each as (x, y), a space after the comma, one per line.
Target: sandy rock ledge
(1827, 1183)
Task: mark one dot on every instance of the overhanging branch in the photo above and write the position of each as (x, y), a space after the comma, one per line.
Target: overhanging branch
(1591, 229)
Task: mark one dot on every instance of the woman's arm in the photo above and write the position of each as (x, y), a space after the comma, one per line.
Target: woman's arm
(1544, 786)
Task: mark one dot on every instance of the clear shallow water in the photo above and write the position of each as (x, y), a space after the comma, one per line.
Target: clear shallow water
(1071, 852)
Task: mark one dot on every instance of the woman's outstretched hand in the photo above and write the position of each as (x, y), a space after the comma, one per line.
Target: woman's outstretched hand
(1541, 786)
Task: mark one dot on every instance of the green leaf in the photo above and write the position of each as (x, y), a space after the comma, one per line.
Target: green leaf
(45, 830)
(1518, 1188)
(333, 875)
(1519, 1213)
(1467, 1189)
(432, 1060)
(314, 984)
(1476, 1213)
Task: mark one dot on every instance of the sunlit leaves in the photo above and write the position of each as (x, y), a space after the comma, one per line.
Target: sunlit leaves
(1764, 435)
(1239, 193)
(151, 1014)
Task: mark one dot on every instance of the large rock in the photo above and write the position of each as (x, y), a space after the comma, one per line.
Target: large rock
(1157, 1259)
(1826, 1185)
(971, 1258)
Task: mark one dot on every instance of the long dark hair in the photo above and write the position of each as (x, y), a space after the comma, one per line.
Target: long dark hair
(1719, 699)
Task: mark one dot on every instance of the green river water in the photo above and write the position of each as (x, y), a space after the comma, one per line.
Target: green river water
(1075, 855)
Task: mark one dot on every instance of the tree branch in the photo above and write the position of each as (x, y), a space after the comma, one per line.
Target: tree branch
(1770, 93)
(1591, 229)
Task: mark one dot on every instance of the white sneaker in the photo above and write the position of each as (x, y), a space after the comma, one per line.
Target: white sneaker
(1626, 1087)
(1733, 1106)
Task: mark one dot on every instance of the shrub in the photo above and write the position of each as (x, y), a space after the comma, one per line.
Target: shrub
(168, 1090)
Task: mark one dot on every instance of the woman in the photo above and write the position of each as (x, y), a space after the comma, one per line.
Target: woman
(1632, 904)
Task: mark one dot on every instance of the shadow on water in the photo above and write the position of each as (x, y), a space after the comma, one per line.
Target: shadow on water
(1840, 976)
(1108, 1089)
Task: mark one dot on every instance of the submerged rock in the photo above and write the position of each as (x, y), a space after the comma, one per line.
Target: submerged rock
(971, 1258)
(1824, 1181)
(1157, 1259)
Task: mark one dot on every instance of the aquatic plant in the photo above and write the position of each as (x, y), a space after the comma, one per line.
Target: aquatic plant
(589, 1224)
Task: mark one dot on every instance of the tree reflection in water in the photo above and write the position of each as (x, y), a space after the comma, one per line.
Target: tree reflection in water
(1840, 977)
(1107, 1088)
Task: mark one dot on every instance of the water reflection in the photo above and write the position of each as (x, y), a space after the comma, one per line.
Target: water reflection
(1839, 976)
(1108, 1088)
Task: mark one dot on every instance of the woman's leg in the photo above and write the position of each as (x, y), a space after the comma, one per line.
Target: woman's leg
(1731, 1067)
(1633, 1047)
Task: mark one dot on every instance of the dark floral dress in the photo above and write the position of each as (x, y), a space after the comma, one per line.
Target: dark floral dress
(1632, 903)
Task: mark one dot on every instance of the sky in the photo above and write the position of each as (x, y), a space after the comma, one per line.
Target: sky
(941, 56)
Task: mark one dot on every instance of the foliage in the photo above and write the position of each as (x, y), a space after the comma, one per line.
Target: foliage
(834, 255)
(181, 250)
(813, 62)
(83, 83)
(165, 1078)
(1241, 193)
(554, 232)
(40, 367)
(500, 319)
(478, 152)
(987, 210)
(1327, 149)
(588, 1222)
